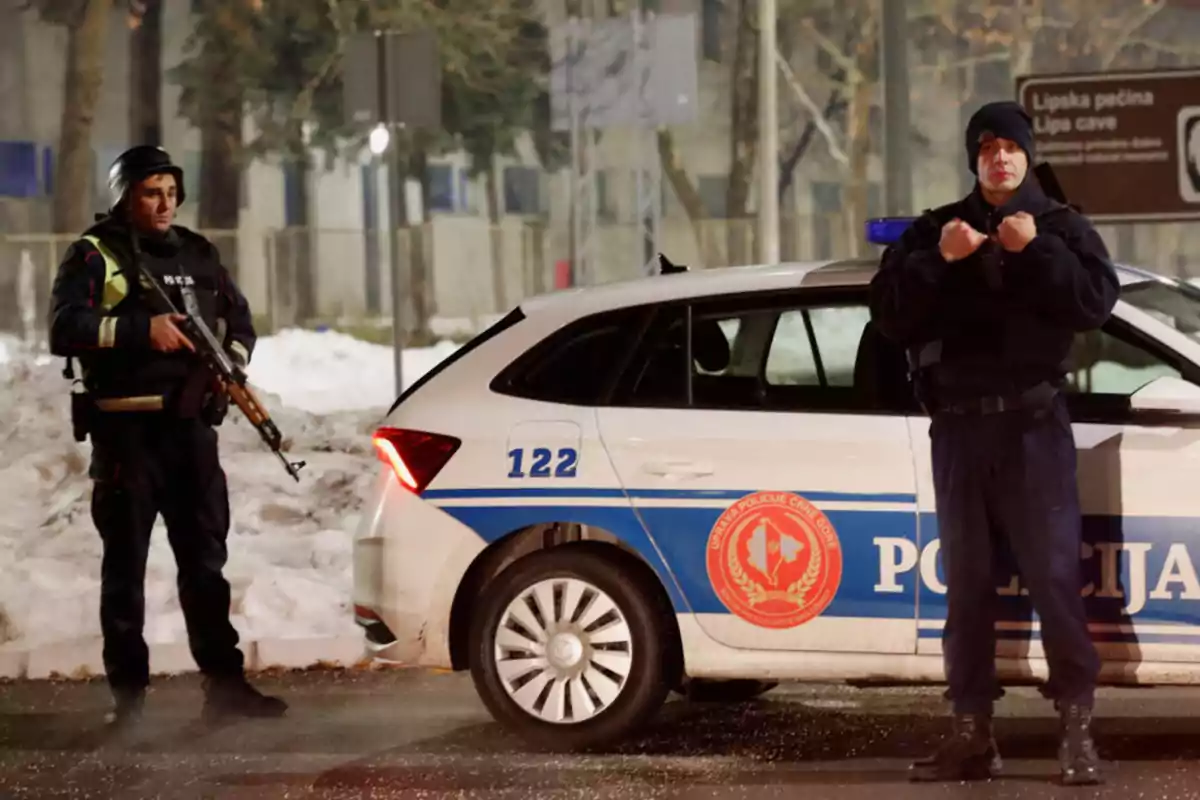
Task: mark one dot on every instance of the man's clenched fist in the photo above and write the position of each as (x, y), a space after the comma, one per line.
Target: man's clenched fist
(959, 240)
(1016, 231)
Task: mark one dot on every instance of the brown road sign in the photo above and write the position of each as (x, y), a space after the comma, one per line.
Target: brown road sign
(1125, 145)
(393, 78)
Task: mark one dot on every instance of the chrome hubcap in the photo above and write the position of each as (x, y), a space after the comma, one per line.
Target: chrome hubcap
(563, 650)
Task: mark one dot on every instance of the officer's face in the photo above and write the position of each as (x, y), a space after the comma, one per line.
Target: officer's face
(1002, 165)
(152, 203)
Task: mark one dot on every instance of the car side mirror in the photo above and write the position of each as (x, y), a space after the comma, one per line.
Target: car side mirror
(1169, 394)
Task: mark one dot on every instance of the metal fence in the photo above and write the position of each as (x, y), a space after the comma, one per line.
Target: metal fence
(458, 273)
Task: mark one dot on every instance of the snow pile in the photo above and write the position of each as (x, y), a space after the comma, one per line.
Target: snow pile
(289, 543)
(328, 371)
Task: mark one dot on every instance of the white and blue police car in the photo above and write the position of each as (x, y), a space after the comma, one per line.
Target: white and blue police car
(720, 479)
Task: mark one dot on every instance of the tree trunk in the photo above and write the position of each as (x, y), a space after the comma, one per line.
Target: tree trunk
(219, 182)
(1024, 41)
(419, 273)
(858, 138)
(855, 207)
(744, 133)
(681, 182)
(220, 176)
(145, 77)
(499, 274)
(84, 77)
(293, 277)
(306, 290)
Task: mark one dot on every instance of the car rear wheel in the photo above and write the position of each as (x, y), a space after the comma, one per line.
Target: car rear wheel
(568, 648)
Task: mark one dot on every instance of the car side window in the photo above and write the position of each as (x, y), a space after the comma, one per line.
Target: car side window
(832, 358)
(727, 357)
(1103, 363)
(771, 356)
(836, 331)
(576, 364)
(791, 360)
(657, 374)
(1107, 367)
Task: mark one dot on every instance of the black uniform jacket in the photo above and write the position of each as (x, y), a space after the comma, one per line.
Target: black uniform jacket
(999, 322)
(101, 315)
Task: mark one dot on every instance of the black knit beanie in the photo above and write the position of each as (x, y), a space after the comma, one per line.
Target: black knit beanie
(1004, 120)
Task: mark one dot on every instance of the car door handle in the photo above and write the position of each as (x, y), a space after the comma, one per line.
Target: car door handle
(683, 469)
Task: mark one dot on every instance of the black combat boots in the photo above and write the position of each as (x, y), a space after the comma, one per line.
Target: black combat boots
(970, 754)
(1076, 751)
(126, 710)
(234, 697)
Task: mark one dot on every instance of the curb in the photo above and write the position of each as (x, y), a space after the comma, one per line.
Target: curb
(81, 659)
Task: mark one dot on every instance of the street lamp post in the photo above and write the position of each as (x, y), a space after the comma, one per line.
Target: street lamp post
(380, 142)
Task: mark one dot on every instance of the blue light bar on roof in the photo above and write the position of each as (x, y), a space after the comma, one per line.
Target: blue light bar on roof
(887, 230)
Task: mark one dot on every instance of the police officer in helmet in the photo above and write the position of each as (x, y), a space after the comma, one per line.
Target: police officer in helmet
(150, 407)
(987, 295)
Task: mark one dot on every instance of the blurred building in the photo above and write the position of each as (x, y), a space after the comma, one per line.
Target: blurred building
(478, 270)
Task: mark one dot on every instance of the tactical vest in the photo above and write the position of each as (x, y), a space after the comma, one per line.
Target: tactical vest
(116, 286)
(114, 289)
(149, 374)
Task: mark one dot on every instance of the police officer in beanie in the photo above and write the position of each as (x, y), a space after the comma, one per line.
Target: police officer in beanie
(150, 407)
(987, 295)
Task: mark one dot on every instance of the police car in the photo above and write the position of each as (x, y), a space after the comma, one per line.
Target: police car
(720, 478)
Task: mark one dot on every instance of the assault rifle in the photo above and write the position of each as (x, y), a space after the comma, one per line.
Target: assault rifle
(232, 376)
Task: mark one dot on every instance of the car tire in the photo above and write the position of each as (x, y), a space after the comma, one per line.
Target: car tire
(725, 691)
(619, 626)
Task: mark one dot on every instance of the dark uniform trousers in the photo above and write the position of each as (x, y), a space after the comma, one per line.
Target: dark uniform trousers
(1011, 474)
(144, 464)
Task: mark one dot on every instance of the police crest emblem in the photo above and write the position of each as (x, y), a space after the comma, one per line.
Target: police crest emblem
(774, 560)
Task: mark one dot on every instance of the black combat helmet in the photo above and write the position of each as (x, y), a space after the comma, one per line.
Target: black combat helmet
(136, 164)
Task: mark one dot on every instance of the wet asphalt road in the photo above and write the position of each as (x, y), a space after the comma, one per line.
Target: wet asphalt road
(417, 734)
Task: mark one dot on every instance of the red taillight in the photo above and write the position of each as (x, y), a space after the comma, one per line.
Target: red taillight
(366, 614)
(416, 457)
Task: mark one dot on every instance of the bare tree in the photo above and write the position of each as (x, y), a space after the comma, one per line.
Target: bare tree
(87, 24)
(741, 21)
(846, 37)
(87, 30)
(743, 137)
(145, 72)
(818, 98)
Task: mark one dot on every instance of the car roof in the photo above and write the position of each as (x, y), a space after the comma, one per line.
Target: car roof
(731, 280)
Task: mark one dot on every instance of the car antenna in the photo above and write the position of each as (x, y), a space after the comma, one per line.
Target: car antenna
(667, 267)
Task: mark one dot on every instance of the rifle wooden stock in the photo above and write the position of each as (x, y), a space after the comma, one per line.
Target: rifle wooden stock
(245, 399)
(248, 402)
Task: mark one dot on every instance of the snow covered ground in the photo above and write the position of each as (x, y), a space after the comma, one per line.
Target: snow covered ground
(289, 546)
(328, 372)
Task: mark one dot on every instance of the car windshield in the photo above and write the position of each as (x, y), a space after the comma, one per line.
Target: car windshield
(1177, 305)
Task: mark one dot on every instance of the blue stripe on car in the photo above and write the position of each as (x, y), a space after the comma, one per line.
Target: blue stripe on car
(654, 494)
(675, 548)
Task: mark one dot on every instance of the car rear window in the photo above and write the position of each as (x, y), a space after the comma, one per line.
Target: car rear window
(501, 325)
(577, 364)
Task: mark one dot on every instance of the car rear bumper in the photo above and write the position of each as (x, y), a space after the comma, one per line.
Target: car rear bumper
(409, 559)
